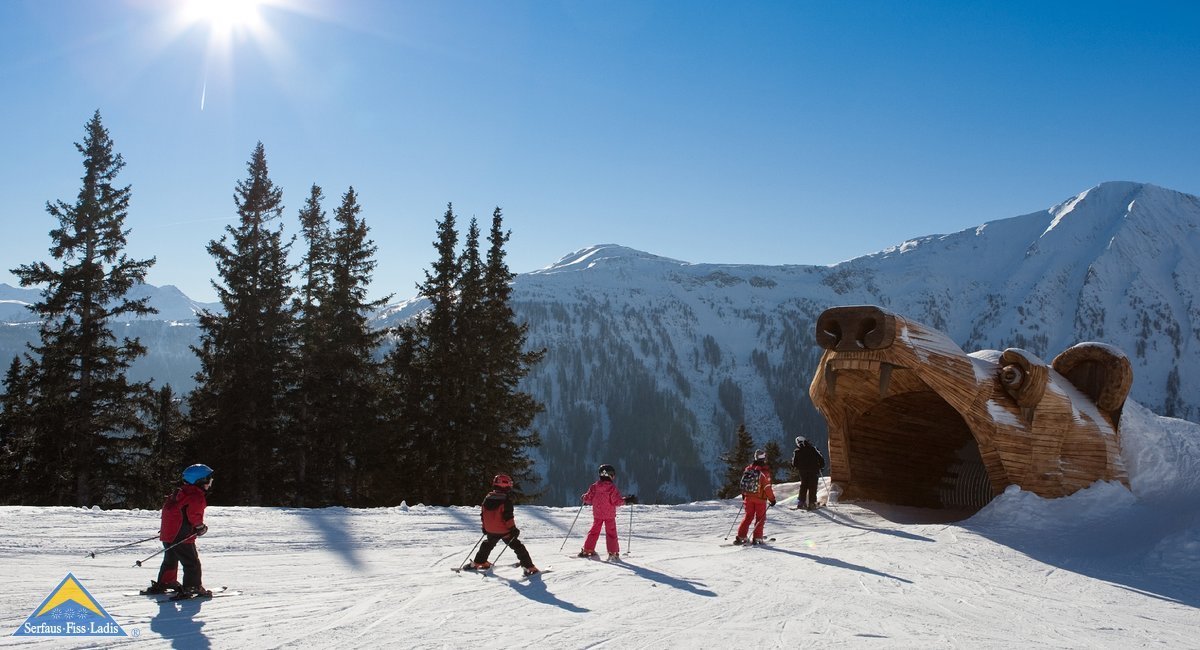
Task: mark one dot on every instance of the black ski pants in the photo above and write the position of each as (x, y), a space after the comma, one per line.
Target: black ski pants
(485, 549)
(175, 555)
(808, 489)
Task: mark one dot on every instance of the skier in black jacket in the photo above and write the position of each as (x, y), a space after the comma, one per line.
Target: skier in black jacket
(807, 460)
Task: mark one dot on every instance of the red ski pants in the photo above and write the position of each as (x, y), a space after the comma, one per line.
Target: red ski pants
(756, 511)
(610, 535)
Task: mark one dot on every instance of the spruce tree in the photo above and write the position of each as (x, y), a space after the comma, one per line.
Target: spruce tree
(507, 412)
(239, 409)
(475, 462)
(354, 405)
(458, 417)
(81, 441)
(393, 463)
(171, 435)
(14, 408)
(774, 458)
(438, 437)
(736, 460)
(310, 399)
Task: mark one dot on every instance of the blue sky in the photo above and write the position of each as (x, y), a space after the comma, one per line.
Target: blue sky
(732, 132)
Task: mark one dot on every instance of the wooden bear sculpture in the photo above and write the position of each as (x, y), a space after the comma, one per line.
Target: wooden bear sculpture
(914, 420)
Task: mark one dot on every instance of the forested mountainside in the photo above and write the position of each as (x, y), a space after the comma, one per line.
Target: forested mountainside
(652, 362)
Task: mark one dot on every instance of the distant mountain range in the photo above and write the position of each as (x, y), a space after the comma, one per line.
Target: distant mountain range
(653, 362)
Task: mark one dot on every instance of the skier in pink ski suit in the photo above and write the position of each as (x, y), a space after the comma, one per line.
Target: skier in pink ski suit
(604, 498)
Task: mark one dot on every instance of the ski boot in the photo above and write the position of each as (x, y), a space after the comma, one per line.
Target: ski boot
(478, 566)
(586, 553)
(530, 570)
(738, 541)
(162, 587)
(758, 541)
(189, 592)
(614, 557)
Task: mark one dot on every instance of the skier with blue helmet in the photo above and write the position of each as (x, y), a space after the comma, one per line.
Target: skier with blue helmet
(182, 523)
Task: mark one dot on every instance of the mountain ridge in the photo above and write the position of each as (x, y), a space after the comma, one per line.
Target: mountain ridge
(652, 362)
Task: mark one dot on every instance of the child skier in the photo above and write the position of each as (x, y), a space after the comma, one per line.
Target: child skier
(499, 524)
(756, 499)
(182, 523)
(604, 498)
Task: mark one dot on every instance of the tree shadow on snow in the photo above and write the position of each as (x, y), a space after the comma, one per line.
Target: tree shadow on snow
(838, 564)
(176, 622)
(535, 589)
(846, 520)
(333, 525)
(662, 578)
(545, 516)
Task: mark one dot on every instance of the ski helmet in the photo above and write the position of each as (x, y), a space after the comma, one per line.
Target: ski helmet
(799, 441)
(502, 481)
(760, 456)
(197, 474)
(608, 471)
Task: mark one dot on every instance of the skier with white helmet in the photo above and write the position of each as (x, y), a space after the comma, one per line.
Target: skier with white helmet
(604, 498)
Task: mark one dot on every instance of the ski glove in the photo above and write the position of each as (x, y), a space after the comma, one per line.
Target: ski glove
(201, 529)
(631, 499)
(772, 501)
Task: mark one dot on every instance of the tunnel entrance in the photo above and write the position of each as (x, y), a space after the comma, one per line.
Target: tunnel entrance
(913, 449)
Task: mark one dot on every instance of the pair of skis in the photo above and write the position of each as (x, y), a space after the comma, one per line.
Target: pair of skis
(596, 556)
(488, 571)
(750, 544)
(177, 597)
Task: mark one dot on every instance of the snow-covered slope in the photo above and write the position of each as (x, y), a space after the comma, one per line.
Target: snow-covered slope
(1104, 568)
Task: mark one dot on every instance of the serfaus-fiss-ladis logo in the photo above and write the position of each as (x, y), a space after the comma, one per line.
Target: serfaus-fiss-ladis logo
(69, 610)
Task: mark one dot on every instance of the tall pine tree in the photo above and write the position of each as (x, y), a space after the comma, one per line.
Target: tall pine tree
(311, 399)
(458, 416)
(506, 412)
(239, 411)
(355, 379)
(438, 436)
(80, 439)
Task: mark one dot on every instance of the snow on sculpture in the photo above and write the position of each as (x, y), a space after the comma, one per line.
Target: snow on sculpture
(914, 420)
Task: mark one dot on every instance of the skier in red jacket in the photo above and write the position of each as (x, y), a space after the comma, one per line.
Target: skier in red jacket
(182, 523)
(757, 500)
(604, 498)
(499, 524)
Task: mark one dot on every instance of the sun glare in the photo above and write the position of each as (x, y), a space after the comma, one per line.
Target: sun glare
(224, 17)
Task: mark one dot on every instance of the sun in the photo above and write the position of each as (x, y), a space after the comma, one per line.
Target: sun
(224, 18)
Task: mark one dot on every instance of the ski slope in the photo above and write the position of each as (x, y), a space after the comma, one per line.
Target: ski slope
(1106, 567)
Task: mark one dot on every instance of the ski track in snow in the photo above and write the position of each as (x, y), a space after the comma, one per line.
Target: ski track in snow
(846, 576)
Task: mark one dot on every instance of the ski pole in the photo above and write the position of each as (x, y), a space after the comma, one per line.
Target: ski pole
(564, 544)
(501, 550)
(93, 554)
(629, 536)
(739, 513)
(469, 555)
(165, 549)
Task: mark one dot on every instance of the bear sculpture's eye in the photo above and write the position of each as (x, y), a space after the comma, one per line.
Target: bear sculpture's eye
(1024, 377)
(1012, 377)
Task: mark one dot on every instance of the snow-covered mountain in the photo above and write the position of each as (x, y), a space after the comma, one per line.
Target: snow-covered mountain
(652, 362)
(171, 303)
